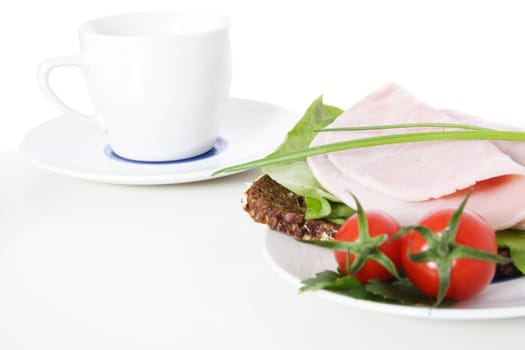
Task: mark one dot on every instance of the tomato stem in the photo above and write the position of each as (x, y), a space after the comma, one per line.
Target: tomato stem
(363, 249)
(443, 250)
(444, 269)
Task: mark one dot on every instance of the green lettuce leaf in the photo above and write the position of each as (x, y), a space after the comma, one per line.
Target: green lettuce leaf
(297, 176)
(515, 241)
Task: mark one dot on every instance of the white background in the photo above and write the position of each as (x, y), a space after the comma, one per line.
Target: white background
(65, 243)
(467, 55)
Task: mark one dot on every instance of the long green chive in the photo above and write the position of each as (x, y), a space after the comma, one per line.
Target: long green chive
(481, 134)
(406, 125)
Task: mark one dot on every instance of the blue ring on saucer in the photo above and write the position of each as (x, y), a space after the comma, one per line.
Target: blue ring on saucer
(220, 145)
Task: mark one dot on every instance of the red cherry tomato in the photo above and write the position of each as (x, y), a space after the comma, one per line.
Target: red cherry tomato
(378, 223)
(468, 277)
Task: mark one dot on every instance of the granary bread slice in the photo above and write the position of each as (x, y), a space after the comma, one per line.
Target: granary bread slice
(282, 210)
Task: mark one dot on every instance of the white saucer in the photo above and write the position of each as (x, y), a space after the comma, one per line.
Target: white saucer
(65, 145)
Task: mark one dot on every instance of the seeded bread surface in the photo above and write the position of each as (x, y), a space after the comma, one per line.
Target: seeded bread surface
(272, 204)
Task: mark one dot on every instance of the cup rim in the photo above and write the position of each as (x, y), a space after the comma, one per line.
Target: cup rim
(88, 27)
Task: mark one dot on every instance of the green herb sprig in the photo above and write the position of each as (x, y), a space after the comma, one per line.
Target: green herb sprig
(405, 126)
(473, 133)
(400, 291)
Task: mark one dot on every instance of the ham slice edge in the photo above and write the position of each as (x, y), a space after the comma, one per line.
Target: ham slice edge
(412, 171)
(499, 183)
(500, 201)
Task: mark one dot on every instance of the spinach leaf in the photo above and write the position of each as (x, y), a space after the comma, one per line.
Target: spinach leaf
(297, 176)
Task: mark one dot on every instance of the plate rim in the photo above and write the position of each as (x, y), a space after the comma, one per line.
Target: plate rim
(395, 309)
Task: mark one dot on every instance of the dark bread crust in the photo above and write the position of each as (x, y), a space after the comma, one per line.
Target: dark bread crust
(272, 204)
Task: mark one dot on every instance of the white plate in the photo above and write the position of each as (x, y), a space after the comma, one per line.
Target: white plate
(296, 262)
(66, 145)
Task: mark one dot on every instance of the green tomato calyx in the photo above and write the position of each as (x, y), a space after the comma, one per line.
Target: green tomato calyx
(444, 250)
(364, 248)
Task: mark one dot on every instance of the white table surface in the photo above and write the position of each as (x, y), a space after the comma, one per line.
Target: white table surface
(93, 266)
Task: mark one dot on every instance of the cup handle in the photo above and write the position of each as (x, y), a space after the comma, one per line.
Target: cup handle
(43, 80)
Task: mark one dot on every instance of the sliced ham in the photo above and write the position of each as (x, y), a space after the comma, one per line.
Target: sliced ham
(408, 180)
(515, 150)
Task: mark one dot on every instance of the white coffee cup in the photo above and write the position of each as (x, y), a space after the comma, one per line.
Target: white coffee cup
(158, 81)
